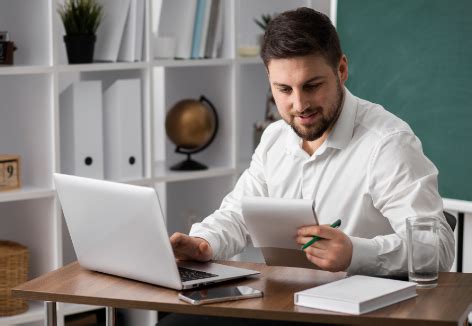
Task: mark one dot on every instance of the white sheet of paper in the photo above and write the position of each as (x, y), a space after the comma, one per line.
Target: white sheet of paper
(273, 222)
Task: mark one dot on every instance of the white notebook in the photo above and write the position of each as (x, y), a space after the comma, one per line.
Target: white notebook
(273, 224)
(356, 294)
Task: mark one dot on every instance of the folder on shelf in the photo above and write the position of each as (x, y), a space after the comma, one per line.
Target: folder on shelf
(122, 130)
(212, 26)
(198, 28)
(127, 50)
(177, 20)
(140, 21)
(81, 129)
(206, 26)
(110, 31)
(217, 46)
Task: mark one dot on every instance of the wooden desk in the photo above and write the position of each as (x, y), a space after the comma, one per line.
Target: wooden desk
(447, 304)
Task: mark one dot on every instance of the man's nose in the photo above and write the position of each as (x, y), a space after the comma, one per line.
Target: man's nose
(300, 102)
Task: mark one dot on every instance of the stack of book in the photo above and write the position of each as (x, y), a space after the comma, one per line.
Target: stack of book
(196, 26)
(120, 36)
(357, 294)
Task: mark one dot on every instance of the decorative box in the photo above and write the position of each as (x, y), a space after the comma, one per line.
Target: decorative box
(9, 172)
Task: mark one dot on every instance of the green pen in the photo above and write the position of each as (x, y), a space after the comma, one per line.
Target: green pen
(316, 238)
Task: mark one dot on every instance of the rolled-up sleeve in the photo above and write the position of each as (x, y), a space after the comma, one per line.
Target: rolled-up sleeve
(225, 229)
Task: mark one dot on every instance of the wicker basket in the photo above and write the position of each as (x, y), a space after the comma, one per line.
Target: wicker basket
(13, 271)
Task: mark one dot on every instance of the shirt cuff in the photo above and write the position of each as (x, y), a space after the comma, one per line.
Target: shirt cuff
(195, 231)
(364, 256)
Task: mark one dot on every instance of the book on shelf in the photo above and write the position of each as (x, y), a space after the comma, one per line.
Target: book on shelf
(212, 25)
(357, 294)
(110, 31)
(140, 23)
(131, 47)
(197, 28)
(217, 46)
(206, 25)
(177, 20)
(127, 52)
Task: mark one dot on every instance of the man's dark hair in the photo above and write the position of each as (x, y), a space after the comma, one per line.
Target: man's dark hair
(301, 32)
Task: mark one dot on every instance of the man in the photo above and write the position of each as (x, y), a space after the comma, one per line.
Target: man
(357, 161)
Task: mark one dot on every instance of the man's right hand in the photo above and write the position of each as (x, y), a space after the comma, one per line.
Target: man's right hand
(190, 248)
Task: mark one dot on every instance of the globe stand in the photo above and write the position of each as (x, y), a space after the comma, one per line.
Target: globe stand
(188, 165)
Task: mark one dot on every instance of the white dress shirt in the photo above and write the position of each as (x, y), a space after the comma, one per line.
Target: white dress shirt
(370, 172)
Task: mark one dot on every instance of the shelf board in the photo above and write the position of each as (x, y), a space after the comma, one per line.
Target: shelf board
(72, 308)
(102, 66)
(162, 173)
(139, 182)
(25, 70)
(26, 192)
(192, 62)
(34, 313)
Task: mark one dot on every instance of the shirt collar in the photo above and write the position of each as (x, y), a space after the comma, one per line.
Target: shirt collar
(293, 143)
(342, 131)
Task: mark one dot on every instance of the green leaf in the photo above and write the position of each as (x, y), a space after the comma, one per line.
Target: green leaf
(80, 16)
(264, 21)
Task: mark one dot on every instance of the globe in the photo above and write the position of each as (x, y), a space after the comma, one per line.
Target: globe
(191, 125)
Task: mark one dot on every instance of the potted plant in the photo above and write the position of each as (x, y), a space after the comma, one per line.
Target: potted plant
(81, 19)
(263, 22)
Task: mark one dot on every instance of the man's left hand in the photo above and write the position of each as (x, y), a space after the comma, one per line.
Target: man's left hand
(331, 253)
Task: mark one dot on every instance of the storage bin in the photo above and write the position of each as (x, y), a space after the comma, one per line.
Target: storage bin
(13, 271)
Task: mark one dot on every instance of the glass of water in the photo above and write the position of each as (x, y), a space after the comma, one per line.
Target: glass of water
(423, 251)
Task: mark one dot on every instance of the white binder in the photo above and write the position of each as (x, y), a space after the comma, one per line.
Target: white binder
(122, 130)
(81, 129)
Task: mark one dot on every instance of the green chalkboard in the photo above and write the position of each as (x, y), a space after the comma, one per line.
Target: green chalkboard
(414, 57)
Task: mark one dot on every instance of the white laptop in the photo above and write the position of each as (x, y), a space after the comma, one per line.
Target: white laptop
(119, 229)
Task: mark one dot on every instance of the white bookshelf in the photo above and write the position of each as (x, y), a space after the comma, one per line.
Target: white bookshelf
(29, 126)
(112, 66)
(192, 63)
(25, 70)
(26, 192)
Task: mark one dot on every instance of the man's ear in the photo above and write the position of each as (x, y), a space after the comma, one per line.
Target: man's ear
(343, 70)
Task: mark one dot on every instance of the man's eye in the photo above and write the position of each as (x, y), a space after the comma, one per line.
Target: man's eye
(312, 86)
(284, 90)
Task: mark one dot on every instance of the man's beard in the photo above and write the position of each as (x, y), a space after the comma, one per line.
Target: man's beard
(317, 130)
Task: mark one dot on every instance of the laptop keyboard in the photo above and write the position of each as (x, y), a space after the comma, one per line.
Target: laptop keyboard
(191, 274)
